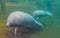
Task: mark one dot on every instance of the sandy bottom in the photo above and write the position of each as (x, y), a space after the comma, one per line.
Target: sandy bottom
(20, 33)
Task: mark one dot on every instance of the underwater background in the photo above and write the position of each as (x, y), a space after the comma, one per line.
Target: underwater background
(52, 29)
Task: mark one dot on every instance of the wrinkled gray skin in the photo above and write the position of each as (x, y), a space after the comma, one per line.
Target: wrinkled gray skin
(22, 19)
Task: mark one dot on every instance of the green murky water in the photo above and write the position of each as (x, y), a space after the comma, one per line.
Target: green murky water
(52, 30)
